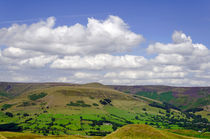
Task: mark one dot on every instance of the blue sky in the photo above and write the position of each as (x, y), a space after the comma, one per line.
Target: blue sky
(156, 19)
(150, 21)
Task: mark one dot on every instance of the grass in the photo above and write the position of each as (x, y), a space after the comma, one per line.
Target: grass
(80, 103)
(164, 97)
(6, 106)
(134, 131)
(142, 131)
(4, 94)
(15, 135)
(190, 133)
(37, 96)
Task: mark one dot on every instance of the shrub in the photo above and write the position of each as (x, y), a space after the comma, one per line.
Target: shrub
(10, 127)
(95, 104)
(25, 114)
(9, 114)
(144, 109)
(79, 103)
(194, 110)
(25, 103)
(105, 101)
(91, 97)
(6, 106)
(4, 94)
(137, 118)
(37, 96)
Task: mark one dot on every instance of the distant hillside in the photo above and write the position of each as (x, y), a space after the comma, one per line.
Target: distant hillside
(12, 89)
(182, 97)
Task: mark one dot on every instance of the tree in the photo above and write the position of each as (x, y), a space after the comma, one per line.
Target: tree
(9, 114)
(25, 114)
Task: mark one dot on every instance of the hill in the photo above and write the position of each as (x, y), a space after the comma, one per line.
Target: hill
(142, 132)
(185, 98)
(13, 89)
(91, 109)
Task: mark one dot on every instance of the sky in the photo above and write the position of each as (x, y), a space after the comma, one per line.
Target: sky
(138, 42)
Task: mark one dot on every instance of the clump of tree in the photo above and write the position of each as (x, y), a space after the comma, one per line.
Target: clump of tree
(37, 96)
(25, 114)
(78, 103)
(25, 103)
(98, 133)
(144, 109)
(10, 127)
(6, 106)
(4, 94)
(9, 114)
(95, 104)
(105, 101)
(194, 110)
(165, 106)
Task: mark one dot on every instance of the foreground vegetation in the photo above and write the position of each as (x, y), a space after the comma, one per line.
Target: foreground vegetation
(134, 131)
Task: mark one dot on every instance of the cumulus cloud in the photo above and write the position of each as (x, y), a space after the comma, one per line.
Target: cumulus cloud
(18, 53)
(181, 44)
(145, 75)
(182, 51)
(92, 53)
(37, 62)
(180, 37)
(99, 62)
(98, 36)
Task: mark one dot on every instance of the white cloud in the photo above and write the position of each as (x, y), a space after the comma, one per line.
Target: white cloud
(98, 62)
(37, 62)
(14, 52)
(181, 45)
(108, 36)
(205, 66)
(136, 74)
(20, 78)
(170, 68)
(84, 75)
(179, 37)
(17, 53)
(172, 59)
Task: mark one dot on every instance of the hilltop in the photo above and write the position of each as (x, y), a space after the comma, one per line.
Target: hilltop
(142, 132)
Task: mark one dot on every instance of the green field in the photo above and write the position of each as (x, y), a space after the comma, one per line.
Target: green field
(132, 131)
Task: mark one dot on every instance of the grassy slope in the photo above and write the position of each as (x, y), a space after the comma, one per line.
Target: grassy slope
(59, 96)
(190, 133)
(142, 131)
(12, 89)
(183, 97)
